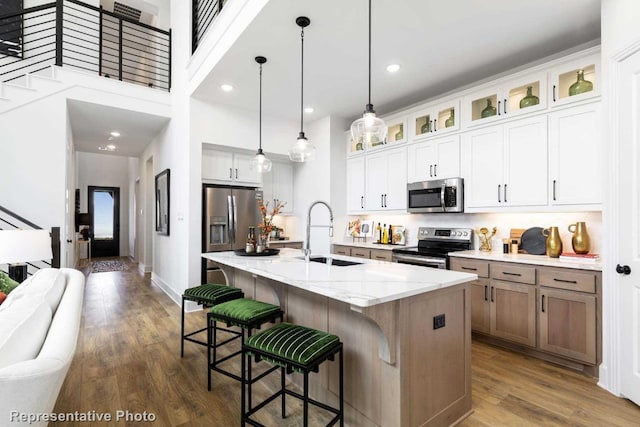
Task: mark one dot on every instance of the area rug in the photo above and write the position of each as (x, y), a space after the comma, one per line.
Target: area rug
(107, 265)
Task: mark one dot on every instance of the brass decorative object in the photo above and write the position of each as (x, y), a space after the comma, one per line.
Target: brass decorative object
(485, 238)
(580, 240)
(554, 242)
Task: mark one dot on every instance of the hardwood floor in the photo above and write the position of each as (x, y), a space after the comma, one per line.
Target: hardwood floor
(128, 359)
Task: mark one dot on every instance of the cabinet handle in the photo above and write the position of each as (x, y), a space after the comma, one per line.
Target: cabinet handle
(554, 187)
(382, 200)
(504, 106)
(511, 274)
(435, 125)
(470, 268)
(499, 107)
(565, 281)
(554, 93)
(431, 170)
(542, 308)
(431, 126)
(236, 173)
(385, 200)
(435, 170)
(505, 193)
(485, 293)
(492, 294)
(230, 173)
(361, 202)
(499, 189)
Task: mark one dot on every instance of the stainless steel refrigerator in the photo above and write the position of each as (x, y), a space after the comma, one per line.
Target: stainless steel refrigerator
(227, 214)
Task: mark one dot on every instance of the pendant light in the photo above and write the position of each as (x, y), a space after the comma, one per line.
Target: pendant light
(302, 150)
(369, 129)
(260, 162)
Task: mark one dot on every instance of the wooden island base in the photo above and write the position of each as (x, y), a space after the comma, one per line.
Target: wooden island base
(399, 370)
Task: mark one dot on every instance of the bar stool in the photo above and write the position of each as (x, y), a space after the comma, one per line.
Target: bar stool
(209, 295)
(247, 314)
(292, 348)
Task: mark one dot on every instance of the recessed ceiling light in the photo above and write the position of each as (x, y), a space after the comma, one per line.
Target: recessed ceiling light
(109, 147)
(393, 68)
(115, 134)
(308, 110)
(226, 88)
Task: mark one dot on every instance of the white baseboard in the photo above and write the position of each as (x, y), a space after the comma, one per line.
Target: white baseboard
(143, 269)
(189, 305)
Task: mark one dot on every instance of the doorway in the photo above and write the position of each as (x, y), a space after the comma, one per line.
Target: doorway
(104, 210)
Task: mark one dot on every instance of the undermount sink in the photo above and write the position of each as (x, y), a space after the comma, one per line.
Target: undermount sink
(337, 262)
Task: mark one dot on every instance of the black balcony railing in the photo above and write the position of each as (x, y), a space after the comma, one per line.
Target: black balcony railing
(204, 13)
(69, 33)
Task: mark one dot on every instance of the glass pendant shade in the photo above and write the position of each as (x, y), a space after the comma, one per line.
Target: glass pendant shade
(369, 129)
(260, 163)
(302, 150)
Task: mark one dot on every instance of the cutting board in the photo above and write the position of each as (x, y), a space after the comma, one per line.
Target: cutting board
(533, 241)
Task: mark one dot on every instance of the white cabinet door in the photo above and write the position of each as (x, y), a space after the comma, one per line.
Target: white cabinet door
(376, 181)
(483, 151)
(437, 159)
(242, 170)
(448, 158)
(395, 196)
(355, 185)
(525, 161)
(282, 185)
(420, 160)
(575, 156)
(217, 165)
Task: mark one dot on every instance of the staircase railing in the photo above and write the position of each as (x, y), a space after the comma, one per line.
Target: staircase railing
(69, 33)
(204, 13)
(11, 221)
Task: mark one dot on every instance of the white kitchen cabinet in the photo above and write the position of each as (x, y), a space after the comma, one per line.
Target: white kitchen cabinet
(230, 167)
(355, 185)
(505, 99)
(435, 120)
(434, 159)
(506, 165)
(386, 180)
(575, 156)
(278, 186)
(562, 76)
(396, 129)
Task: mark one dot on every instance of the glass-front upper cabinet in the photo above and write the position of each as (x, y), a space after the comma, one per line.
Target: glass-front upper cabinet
(435, 120)
(575, 80)
(396, 129)
(517, 96)
(353, 147)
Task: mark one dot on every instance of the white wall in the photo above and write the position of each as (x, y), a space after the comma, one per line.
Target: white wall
(104, 170)
(133, 175)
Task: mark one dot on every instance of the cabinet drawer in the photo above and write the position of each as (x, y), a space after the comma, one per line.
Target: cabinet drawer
(513, 273)
(296, 245)
(342, 250)
(276, 245)
(573, 280)
(479, 267)
(381, 255)
(360, 253)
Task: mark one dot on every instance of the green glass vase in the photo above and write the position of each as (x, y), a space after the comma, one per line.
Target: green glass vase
(450, 121)
(426, 127)
(488, 111)
(399, 135)
(530, 99)
(581, 85)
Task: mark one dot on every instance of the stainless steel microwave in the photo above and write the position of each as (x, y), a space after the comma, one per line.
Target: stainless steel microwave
(438, 196)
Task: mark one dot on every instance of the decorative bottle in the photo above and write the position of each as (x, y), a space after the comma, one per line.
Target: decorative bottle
(390, 233)
(581, 85)
(450, 121)
(251, 241)
(385, 234)
(426, 127)
(580, 240)
(489, 110)
(554, 242)
(530, 99)
(379, 233)
(399, 134)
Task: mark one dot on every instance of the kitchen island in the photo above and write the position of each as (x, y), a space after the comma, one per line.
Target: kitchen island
(406, 331)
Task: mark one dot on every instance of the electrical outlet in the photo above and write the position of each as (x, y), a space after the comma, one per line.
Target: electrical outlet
(438, 321)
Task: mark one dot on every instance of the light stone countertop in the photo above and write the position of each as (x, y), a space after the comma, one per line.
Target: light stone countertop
(528, 259)
(370, 283)
(368, 245)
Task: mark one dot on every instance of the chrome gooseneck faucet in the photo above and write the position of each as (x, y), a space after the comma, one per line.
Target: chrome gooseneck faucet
(307, 246)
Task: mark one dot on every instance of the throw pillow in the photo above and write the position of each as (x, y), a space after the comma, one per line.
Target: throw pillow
(3, 297)
(7, 284)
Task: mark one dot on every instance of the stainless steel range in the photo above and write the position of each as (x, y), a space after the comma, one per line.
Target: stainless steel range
(433, 246)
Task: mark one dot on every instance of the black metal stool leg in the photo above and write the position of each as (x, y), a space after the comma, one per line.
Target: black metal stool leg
(305, 402)
(182, 331)
(284, 415)
(249, 379)
(341, 391)
(209, 342)
(244, 358)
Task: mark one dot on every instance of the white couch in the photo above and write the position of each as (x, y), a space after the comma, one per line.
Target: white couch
(39, 326)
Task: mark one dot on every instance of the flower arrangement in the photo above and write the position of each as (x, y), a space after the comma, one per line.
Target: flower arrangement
(267, 225)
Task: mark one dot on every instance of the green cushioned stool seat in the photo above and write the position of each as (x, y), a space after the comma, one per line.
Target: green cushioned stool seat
(208, 294)
(248, 315)
(292, 348)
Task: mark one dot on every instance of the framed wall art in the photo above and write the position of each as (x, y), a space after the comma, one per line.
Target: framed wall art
(162, 202)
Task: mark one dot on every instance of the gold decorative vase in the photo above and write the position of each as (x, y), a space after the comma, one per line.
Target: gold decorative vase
(554, 242)
(580, 239)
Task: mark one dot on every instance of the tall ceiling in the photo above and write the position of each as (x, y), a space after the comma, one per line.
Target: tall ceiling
(440, 46)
